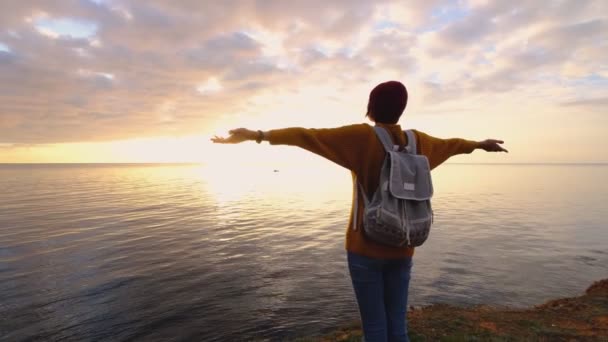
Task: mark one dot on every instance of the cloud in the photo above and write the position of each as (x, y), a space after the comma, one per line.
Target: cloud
(500, 47)
(593, 104)
(80, 70)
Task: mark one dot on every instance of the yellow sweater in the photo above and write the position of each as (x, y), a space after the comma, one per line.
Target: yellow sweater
(357, 148)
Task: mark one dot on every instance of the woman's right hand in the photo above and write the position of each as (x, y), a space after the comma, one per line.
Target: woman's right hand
(236, 136)
(491, 145)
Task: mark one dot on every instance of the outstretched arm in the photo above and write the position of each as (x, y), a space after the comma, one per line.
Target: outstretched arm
(339, 145)
(439, 150)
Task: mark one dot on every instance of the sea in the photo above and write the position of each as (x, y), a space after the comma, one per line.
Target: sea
(194, 252)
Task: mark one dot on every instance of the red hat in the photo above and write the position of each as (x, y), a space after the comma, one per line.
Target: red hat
(387, 102)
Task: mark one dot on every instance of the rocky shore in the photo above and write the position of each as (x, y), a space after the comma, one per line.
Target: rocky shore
(583, 318)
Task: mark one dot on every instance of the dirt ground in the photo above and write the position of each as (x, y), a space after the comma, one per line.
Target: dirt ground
(583, 318)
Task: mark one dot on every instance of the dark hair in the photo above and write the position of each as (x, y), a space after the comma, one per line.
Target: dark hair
(387, 102)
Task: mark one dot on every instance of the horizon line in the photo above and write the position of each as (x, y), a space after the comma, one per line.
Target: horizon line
(202, 163)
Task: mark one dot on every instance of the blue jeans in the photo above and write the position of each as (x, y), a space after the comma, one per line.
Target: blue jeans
(381, 287)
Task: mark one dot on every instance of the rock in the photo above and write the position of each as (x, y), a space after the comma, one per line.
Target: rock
(598, 288)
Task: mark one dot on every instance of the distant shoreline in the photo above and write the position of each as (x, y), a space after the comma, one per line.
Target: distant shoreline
(201, 163)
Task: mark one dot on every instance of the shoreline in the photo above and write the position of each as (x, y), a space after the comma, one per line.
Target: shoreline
(582, 318)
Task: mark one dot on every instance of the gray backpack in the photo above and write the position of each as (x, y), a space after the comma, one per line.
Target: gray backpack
(400, 212)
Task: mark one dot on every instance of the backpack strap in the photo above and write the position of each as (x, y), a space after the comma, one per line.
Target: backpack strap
(411, 141)
(358, 189)
(385, 138)
(387, 142)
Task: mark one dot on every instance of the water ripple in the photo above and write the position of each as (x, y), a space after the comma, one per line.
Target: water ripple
(165, 253)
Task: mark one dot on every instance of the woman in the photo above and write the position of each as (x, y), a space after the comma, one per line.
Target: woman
(380, 274)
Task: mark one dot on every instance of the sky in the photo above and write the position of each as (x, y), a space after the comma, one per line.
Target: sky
(152, 81)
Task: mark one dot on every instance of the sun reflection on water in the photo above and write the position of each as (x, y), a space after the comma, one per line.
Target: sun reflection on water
(287, 187)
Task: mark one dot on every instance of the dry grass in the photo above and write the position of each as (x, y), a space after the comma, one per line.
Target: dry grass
(583, 318)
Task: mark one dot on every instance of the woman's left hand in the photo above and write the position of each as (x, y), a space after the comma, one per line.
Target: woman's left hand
(236, 136)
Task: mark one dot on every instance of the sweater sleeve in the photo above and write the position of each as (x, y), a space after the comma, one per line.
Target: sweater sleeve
(340, 145)
(439, 150)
